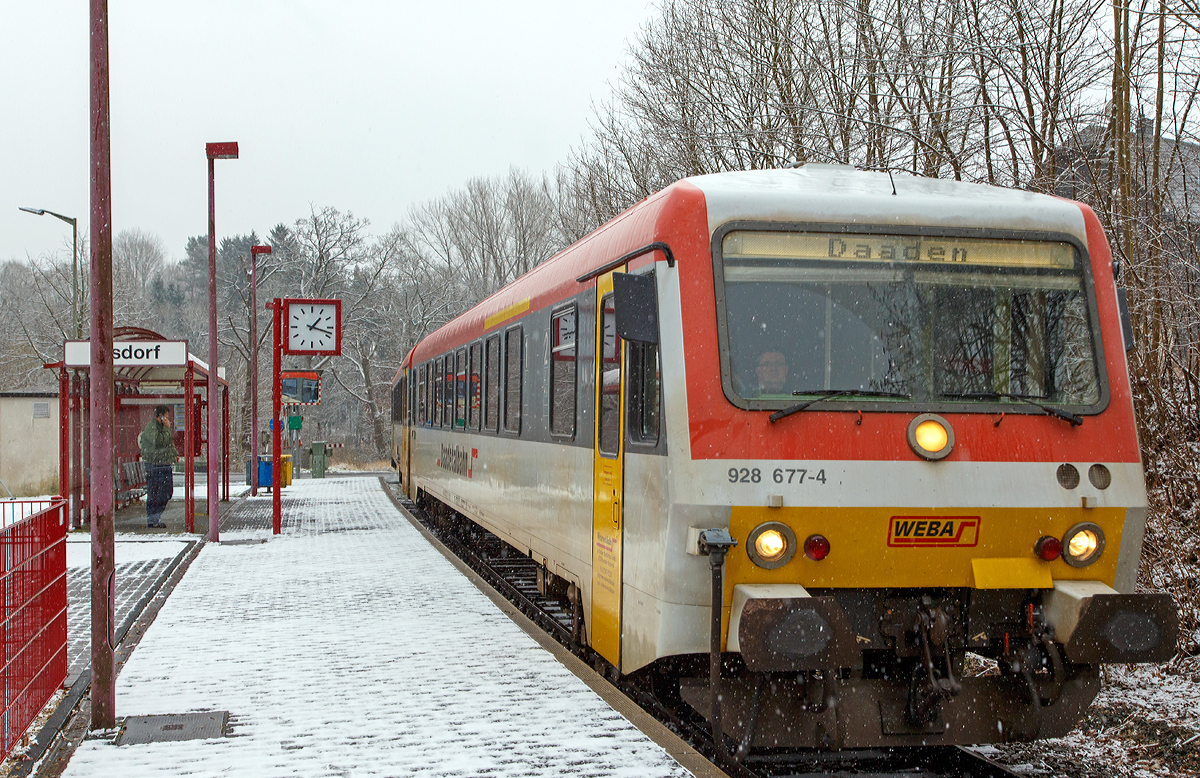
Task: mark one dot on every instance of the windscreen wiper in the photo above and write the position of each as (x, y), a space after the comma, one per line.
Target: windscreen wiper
(1050, 410)
(829, 394)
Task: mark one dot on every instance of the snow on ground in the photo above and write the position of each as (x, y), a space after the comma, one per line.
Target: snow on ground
(1145, 722)
(128, 548)
(349, 646)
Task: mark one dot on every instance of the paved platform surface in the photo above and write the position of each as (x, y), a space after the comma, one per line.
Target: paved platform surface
(140, 565)
(349, 646)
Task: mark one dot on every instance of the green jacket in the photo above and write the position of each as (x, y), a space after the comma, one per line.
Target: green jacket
(157, 444)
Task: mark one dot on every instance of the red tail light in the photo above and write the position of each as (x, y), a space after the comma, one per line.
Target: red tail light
(1048, 548)
(816, 547)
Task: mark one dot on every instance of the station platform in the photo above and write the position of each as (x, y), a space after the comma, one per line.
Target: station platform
(349, 645)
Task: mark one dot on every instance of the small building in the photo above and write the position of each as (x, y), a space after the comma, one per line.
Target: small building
(29, 443)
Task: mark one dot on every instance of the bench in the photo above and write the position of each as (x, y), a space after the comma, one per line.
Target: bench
(133, 479)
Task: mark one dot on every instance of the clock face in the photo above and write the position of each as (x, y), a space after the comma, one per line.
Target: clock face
(313, 327)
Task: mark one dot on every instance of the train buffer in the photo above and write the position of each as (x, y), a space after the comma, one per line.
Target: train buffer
(350, 640)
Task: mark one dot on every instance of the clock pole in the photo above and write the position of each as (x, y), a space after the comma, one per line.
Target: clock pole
(276, 479)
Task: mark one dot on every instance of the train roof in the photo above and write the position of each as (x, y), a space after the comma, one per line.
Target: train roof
(846, 195)
(812, 193)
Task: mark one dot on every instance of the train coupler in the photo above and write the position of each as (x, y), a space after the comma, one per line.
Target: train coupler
(930, 685)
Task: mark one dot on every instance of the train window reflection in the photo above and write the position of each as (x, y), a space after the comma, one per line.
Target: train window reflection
(448, 393)
(491, 409)
(460, 393)
(610, 381)
(932, 331)
(476, 384)
(512, 380)
(562, 372)
(439, 380)
(645, 382)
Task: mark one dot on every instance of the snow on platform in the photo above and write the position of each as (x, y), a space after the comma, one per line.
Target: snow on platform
(349, 646)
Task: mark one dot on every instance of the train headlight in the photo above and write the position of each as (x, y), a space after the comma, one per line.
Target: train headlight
(930, 437)
(771, 545)
(1083, 544)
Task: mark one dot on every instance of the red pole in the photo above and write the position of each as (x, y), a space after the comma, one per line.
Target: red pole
(76, 453)
(225, 443)
(213, 525)
(104, 689)
(85, 429)
(189, 444)
(254, 252)
(253, 372)
(213, 151)
(276, 480)
(64, 433)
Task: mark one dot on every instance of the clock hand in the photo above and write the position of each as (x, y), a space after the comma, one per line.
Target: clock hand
(318, 329)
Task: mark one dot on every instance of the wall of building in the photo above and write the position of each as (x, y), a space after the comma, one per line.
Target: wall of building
(29, 443)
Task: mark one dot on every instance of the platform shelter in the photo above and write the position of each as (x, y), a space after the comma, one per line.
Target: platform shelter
(148, 370)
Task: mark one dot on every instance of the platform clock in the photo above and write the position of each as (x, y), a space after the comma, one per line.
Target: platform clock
(313, 327)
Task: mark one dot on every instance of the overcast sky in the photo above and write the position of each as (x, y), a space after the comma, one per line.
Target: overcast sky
(364, 105)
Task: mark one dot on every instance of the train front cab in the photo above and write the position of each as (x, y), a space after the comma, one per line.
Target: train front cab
(884, 533)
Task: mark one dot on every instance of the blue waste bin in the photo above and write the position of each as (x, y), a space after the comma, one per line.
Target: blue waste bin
(265, 473)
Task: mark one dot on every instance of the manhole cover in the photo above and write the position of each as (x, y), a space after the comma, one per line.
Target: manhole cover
(176, 726)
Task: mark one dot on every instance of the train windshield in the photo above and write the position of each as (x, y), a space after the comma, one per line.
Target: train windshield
(905, 318)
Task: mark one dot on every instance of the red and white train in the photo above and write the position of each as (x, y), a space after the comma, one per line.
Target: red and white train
(905, 400)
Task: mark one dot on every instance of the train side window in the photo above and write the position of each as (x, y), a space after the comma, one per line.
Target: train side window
(397, 401)
(448, 397)
(491, 407)
(645, 392)
(439, 381)
(610, 382)
(512, 384)
(427, 402)
(476, 388)
(460, 389)
(420, 394)
(562, 372)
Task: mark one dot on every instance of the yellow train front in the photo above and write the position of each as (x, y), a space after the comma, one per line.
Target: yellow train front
(904, 402)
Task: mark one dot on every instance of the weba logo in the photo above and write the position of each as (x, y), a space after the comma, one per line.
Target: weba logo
(933, 531)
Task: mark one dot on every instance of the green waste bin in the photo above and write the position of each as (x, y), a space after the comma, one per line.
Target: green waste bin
(320, 458)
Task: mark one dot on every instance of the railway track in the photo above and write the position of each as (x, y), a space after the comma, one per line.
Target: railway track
(514, 575)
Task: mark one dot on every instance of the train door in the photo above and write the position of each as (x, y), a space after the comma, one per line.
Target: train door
(608, 502)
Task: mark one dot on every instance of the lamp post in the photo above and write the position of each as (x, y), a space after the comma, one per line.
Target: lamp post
(77, 333)
(214, 151)
(254, 252)
(76, 323)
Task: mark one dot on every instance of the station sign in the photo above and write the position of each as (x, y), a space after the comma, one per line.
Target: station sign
(130, 353)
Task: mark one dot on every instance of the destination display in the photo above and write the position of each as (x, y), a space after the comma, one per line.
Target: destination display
(910, 249)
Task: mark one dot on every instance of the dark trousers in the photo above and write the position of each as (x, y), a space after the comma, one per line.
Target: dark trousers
(160, 484)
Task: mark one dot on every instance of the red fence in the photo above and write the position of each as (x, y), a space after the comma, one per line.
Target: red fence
(33, 611)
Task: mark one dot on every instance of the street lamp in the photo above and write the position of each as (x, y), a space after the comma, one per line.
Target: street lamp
(214, 151)
(254, 252)
(78, 325)
(77, 331)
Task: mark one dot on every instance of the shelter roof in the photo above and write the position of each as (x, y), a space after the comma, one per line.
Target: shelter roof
(142, 356)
